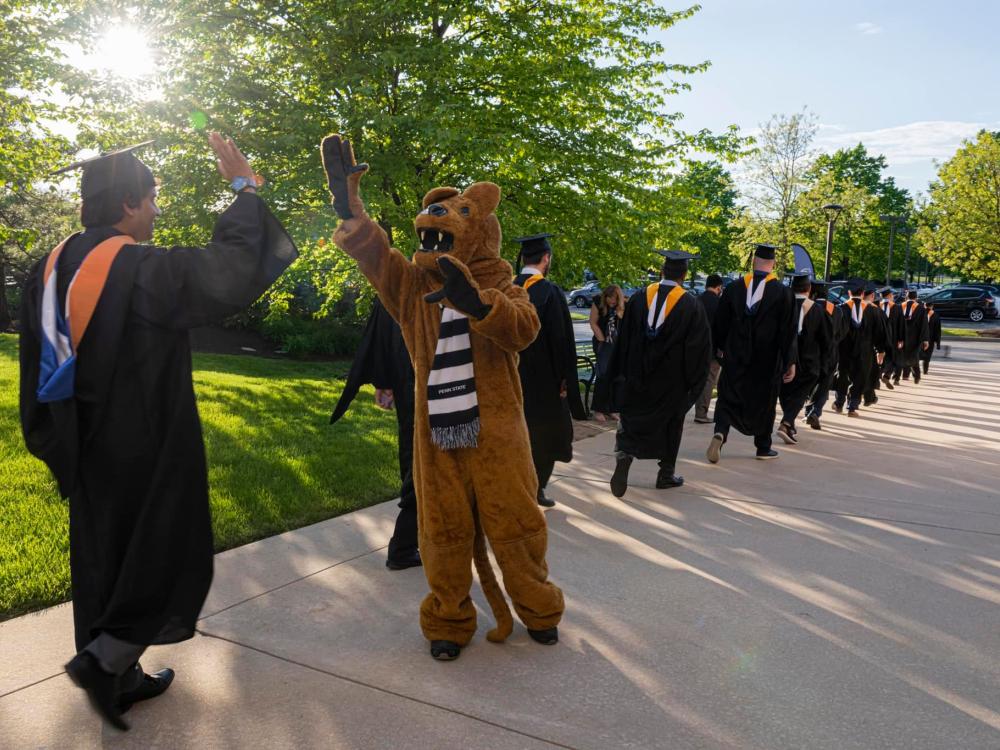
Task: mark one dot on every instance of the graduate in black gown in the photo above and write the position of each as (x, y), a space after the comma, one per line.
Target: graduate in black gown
(866, 333)
(916, 337)
(838, 330)
(107, 401)
(549, 382)
(755, 330)
(815, 332)
(893, 312)
(659, 366)
(870, 398)
(383, 360)
(933, 336)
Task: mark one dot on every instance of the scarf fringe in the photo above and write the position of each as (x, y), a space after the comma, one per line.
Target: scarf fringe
(456, 436)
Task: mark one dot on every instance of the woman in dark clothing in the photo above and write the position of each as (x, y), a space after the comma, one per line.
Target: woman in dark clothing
(605, 319)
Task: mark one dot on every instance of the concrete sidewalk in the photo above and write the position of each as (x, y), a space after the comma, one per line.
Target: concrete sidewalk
(844, 596)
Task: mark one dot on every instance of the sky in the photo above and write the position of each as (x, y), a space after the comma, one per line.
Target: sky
(910, 80)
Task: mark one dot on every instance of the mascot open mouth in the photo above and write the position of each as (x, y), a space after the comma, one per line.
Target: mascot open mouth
(435, 241)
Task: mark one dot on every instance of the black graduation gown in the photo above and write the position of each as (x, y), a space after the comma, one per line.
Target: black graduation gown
(896, 330)
(758, 348)
(657, 380)
(813, 348)
(933, 335)
(545, 367)
(916, 333)
(127, 448)
(874, 374)
(383, 360)
(857, 346)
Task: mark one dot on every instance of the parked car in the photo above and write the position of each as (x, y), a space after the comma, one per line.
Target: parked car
(964, 302)
(583, 296)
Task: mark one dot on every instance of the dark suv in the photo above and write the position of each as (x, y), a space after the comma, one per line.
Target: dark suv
(964, 302)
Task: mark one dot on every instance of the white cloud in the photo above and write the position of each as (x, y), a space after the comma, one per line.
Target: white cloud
(867, 28)
(906, 144)
(911, 150)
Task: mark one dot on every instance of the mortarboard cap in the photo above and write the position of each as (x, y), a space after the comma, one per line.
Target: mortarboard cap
(764, 252)
(856, 285)
(801, 283)
(533, 246)
(111, 169)
(675, 262)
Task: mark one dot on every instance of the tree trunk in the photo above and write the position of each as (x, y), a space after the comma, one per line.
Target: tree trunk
(5, 317)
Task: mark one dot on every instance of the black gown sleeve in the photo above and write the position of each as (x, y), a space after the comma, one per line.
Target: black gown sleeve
(789, 331)
(364, 364)
(723, 319)
(187, 287)
(568, 355)
(697, 355)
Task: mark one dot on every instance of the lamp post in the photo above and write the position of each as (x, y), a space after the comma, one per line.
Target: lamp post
(832, 212)
(893, 222)
(907, 231)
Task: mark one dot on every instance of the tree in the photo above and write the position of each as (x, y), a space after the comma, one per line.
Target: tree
(564, 104)
(28, 150)
(777, 169)
(854, 179)
(710, 183)
(960, 228)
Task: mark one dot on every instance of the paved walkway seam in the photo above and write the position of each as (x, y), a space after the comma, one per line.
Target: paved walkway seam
(393, 693)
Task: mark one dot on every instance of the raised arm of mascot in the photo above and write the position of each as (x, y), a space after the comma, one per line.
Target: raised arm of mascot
(464, 321)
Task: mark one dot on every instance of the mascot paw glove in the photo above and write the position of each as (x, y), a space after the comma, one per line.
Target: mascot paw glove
(459, 289)
(343, 176)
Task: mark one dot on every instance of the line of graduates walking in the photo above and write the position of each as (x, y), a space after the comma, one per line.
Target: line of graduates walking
(769, 345)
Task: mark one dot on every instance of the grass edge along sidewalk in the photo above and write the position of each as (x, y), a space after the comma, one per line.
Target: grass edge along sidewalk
(275, 464)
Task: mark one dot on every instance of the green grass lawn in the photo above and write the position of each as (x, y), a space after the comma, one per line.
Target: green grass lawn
(967, 332)
(274, 464)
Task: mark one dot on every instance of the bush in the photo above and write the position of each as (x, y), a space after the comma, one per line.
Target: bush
(304, 338)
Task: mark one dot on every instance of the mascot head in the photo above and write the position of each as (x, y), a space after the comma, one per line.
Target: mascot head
(464, 226)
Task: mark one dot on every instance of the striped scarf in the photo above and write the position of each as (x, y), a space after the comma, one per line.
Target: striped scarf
(451, 386)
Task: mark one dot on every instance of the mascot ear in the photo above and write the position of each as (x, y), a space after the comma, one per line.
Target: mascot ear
(485, 195)
(439, 194)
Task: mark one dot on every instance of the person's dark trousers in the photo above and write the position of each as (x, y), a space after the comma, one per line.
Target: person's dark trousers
(674, 431)
(404, 542)
(705, 399)
(854, 396)
(543, 469)
(404, 536)
(762, 441)
(790, 409)
(820, 396)
(118, 657)
(925, 359)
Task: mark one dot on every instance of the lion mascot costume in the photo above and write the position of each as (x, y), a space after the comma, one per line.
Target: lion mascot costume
(464, 322)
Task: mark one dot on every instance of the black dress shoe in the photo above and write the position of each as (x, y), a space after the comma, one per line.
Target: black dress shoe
(767, 454)
(151, 686)
(544, 501)
(666, 481)
(619, 480)
(839, 409)
(813, 421)
(404, 561)
(547, 637)
(445, 650)
(102, 687)
(888, 384)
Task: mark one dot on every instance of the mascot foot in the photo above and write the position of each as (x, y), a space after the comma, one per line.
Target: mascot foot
(547, 637)
(619, 480)
(445, 650)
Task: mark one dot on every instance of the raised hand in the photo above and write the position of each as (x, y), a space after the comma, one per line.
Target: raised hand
(229, 159)
(459, 289)
(343, 176)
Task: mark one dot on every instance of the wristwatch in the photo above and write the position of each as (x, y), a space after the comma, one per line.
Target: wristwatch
(241, 183)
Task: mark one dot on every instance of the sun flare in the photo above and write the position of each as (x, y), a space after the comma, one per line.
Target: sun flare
(123, 51)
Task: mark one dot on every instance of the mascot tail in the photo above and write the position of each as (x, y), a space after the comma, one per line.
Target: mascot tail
(491, 588)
